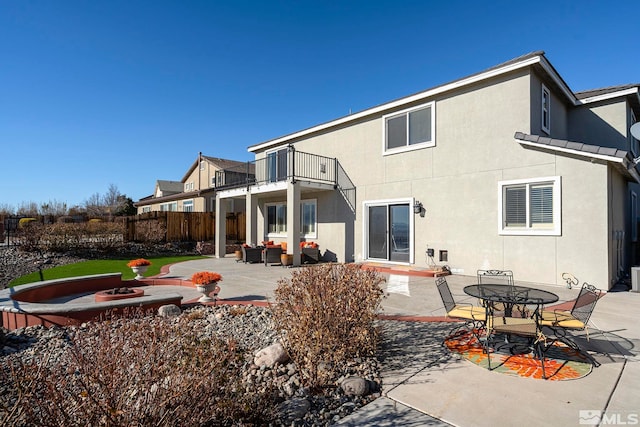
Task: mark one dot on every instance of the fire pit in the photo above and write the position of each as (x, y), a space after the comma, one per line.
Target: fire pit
(118, 293)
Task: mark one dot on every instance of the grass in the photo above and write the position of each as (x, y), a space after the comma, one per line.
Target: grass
(100, 266)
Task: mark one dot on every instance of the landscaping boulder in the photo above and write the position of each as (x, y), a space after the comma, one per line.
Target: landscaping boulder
(169, 310)
(355, 386)
(271, 355)
(294, 409)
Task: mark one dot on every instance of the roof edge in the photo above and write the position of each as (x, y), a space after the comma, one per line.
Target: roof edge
(505, 67)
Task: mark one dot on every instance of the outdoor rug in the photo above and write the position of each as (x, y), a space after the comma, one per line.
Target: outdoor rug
(561, 362)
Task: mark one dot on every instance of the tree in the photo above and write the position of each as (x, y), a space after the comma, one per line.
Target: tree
(53, 207)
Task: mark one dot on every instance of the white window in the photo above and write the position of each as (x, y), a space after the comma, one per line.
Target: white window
(171, 207)
(188, 186)
(202, 165)
(276, 219)
(308, 218)
(187, 206)
(146, 209)
(546, 110)
(410, 129)
(530, 207)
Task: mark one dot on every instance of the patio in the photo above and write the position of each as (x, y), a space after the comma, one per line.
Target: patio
(422, 377)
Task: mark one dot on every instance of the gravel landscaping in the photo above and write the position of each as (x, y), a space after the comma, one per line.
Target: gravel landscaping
(251, 327)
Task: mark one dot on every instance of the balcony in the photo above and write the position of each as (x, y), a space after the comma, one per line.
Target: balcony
(289, 164)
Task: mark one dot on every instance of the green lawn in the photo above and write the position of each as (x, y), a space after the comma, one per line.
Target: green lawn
(100, 266)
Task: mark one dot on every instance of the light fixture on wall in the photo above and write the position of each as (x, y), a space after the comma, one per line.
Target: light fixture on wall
(417, 207)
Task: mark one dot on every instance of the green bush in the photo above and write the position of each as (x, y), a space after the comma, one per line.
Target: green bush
(327, 315)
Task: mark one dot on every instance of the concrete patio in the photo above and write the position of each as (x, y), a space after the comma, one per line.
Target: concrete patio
(424, 384)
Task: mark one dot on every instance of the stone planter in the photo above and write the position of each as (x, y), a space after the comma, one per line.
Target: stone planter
(140, 270)
(205, 290)
(238, 256)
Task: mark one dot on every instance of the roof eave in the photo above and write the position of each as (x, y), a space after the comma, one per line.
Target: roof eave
(539, 58)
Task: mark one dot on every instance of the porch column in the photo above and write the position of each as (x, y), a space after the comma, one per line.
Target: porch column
(293, 221)
(221, 227)
(251, 212)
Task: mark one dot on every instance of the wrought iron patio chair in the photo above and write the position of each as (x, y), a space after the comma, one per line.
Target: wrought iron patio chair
(474, 316)
(500, 277)
(576, 319)
(530, 329)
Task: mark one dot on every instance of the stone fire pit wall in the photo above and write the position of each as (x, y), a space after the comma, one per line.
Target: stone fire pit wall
(28, 305)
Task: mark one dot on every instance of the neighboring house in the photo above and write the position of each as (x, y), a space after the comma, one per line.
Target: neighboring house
(196, 191)
(505, 169)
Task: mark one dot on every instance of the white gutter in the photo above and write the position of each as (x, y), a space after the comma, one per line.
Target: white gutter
(610, 95)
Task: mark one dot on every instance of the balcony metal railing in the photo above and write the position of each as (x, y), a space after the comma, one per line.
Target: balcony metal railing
(287, 164)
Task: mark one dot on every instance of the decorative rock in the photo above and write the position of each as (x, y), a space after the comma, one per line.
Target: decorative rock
(294, 409)
(169, 310)
(271, 355)
(355, 386)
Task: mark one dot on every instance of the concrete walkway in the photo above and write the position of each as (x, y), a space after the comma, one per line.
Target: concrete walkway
(424, 384)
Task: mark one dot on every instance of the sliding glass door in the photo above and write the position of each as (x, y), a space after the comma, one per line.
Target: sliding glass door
(389, 232)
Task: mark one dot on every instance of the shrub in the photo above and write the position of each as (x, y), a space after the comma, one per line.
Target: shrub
(327, 315)
(151, 371)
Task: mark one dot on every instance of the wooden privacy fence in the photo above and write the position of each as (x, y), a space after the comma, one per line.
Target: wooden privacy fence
(182, 227)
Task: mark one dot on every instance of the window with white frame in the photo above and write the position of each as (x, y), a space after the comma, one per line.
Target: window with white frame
(308, 218)
(187, 206)
(529, 207)
(189, 186)
(276, 219)
(546, 110)
(171, 207)
(410, 129)
(146, 209)
(202, 165)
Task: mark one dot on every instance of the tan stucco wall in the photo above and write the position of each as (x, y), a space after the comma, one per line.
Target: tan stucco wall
(457, 182)
(602, 124)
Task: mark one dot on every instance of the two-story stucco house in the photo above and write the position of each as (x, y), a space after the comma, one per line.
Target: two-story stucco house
(196, 191)
(504, 169)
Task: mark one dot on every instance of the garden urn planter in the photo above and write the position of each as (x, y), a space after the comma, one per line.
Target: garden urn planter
(139, 271)
(205, 290)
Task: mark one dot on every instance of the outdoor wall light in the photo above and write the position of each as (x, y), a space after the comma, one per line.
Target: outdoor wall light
(417, 207)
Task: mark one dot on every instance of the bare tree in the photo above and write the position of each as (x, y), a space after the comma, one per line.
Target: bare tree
(114, 201)
(28, 209)
(54, 207)
(6, 209)
(93, 205)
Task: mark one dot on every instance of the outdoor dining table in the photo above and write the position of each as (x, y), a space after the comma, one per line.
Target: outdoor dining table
(510, 296)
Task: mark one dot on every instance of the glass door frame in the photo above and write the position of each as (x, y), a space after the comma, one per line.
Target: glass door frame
(365, 228)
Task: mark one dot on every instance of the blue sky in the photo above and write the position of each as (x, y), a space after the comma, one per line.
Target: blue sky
(94, 93)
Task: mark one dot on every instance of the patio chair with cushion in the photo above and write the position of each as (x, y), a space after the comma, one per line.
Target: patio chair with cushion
(578, 317)
(272, 254)
(501, 277)
(474, 316)
(250, 254)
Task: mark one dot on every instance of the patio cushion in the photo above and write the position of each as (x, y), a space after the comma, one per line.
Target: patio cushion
(468, 312)
(271, 246)
(563, 319)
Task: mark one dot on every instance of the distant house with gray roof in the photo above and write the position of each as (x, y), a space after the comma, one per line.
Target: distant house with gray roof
(195, 192)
